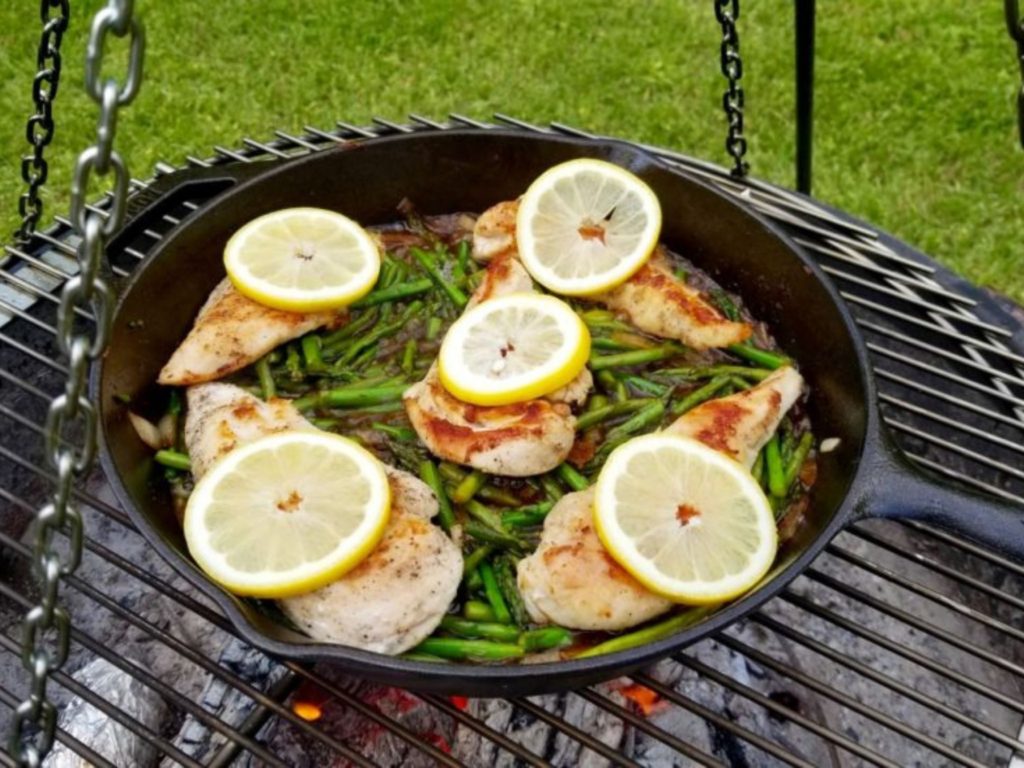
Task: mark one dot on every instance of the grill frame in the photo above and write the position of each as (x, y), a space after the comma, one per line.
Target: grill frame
(987, 350)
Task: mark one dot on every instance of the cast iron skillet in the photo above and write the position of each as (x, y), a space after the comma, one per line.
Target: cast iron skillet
(469, 171)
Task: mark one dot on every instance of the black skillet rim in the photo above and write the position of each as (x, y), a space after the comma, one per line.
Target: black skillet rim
(526, 679)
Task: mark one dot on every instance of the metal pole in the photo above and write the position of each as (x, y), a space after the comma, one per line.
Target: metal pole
(804, 92)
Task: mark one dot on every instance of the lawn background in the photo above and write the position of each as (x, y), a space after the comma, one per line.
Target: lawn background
(915, 125)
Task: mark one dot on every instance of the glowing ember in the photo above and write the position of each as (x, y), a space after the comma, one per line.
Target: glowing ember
(646, 700)
(308, 701)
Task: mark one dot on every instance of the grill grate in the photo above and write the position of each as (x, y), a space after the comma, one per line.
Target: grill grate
(902, 644)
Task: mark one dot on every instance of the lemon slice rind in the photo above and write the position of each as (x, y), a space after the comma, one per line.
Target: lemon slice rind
(648, 539)
(472, 367)
(263, 501)
(586, 196)
(302, 260)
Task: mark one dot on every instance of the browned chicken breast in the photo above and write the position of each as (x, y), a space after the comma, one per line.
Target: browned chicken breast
(513, 440)
(400, 592)
(232, 331)
(221, 417)
(740, 425)
(571, 580)
(654, 299)
(398, 595)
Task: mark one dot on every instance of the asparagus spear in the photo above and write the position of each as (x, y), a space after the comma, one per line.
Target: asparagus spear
(482, 532)
(429, 475)
(761, 357)
(351, 397)
(469, 565)
(596, 416)
(458, 649)
(429, 264)
(174, 459)
(798, 458)
(648, 634)
(523, 517)
(545, 638)
(475, 610)
(468, 487)
(493, 593)
(505, 575)
(395, 292)
(636, 357)
(698, 396)
(773, 462)
(267, 386)
(479, 629)
(568, 475)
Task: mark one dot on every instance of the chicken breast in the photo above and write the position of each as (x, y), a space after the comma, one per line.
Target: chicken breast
(393, 599)
(494, 233)
(654, 299)
(232, 331)
(221, 417)
(398, 595)
(739, 425)
(571, 580)
(514, 440)
(658, 302)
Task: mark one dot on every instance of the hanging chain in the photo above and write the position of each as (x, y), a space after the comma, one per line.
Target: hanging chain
(39, 128)
(727, 12)
(1015, 26)
(47, 627)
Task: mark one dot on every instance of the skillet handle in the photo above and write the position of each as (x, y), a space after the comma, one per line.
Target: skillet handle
(899, 490)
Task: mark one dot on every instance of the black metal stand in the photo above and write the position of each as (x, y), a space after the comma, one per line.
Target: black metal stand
(805, 10)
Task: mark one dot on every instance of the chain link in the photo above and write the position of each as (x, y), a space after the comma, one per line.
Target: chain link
(70, 431)
(727, 12)
(39, 128)
(1015, 26)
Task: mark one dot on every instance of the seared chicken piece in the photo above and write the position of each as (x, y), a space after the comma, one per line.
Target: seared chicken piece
(400, 592)
(512, 440)
(221, 417)
(494, 233)
(398, 595)
(657, 301)
(653, 299)
(739, 425)
(571, 580)
(232, 331)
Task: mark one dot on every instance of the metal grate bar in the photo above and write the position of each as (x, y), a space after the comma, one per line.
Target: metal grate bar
(950, 334)
(169, 640)
(757, 739)
(915, 281)
(951, 446)
(954, 424)
(588, 741)
(907, 297)
(486, 731)
(931, 594)
(935, 566)
(958, 543)
(944, 374)
(895, 647)
(642, 724)
(964, 478)
(39, 293)
(894, 685)
(11, 702)
(883, 719)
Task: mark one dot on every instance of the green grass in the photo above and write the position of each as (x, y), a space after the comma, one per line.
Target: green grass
(915, 126)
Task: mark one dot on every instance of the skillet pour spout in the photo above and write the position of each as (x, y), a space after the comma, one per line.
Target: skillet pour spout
(471, 170)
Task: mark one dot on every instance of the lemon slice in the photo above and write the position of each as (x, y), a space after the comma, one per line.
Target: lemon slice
(586, 226)
(512, 349)
(302, 260)
(287, 514)
(687, 522)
